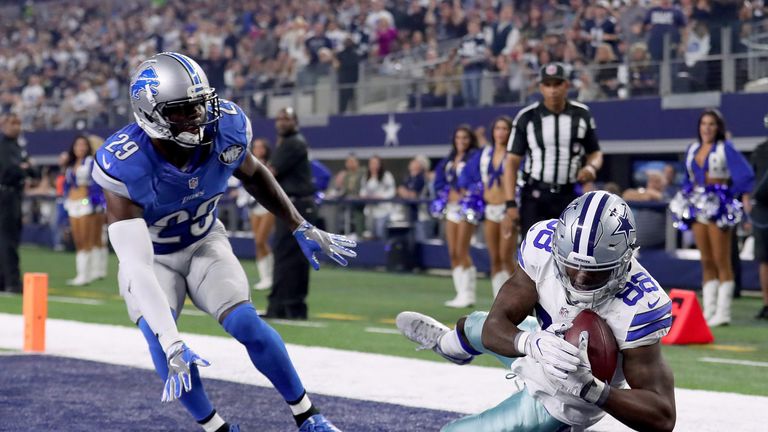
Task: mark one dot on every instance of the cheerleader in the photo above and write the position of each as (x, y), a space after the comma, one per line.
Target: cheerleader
(262, 222)
(484, 173)
(84, 203)
(458, 230)
(717, 173)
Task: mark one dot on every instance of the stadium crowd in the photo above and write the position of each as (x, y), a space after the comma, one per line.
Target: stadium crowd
(65, 64)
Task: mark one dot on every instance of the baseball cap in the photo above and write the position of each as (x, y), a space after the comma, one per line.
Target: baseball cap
(554, 71)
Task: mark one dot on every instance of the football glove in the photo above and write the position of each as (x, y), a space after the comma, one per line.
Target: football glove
(313, 240)
(581, 383)
(180, 359)
(550, 350)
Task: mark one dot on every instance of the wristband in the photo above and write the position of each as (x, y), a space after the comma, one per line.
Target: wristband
(511, 204)
(521, 340)
(596, 392)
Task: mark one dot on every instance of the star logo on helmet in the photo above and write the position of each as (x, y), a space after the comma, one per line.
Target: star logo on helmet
(625, 226)
(147, 81)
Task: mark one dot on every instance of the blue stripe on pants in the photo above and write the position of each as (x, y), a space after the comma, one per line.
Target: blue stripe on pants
(520, 412)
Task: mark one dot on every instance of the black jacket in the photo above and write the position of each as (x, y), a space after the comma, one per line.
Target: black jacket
(11, 173)
(291, 162)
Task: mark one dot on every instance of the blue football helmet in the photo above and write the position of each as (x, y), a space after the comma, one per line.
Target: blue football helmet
(172, 100)
(594, 241)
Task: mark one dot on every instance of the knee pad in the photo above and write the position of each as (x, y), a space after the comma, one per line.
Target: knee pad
(244, 324)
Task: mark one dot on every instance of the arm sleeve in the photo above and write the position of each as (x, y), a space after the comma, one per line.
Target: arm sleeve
(133, 246)
(742, 175)
(590, 143)
(470, 175)
(517, 143)
(288, 154)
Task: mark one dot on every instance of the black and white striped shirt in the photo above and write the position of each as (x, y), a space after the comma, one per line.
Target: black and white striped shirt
(554, 144)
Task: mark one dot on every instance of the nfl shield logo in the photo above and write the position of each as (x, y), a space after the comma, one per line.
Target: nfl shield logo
(563, 312)
(551, 69)
(193, 182)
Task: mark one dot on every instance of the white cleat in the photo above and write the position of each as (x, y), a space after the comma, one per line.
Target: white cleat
(263, 285)
(459, 303)
(426, 332)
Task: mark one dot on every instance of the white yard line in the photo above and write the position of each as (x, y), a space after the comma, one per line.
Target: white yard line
(382, 330)
(734, 361)
(76, 300)
(193, 312)
(375, 377)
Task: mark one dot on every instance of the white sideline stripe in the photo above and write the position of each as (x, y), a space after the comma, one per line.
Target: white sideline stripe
(382, 330)
(374, 377)
(193, 312)
(294, 323)
(733, 361)
(75, 300)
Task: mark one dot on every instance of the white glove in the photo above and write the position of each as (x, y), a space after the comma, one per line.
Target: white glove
(581, 383)
(180, 359)
(313, 240)
(83, 175)
(548, 347)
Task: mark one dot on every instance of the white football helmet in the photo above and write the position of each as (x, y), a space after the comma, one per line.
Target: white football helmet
(594, 240)
(174, 83)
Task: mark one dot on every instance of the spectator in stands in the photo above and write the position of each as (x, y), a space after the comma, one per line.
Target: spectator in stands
(482, 139)
(347, 184)
(670, 179)
(759, 215)
(314, 43)
(378, 12)
(643, 76)
(505, 34)
(651, 222)
(379, 184)
(84, 203)
(713, 160)
(458, 231)
(607, 76)
(602, 29)
(486, 169)
(385, 38)
(347, 73)
(413, 187)
(662, 20)
(474, 55)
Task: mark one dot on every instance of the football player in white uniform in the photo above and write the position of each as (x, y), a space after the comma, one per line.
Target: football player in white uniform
(584, 260)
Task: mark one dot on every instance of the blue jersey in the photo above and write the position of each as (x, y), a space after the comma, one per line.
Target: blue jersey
(179, 206)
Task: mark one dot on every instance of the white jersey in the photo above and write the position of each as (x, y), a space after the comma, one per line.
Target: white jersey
(639, 315)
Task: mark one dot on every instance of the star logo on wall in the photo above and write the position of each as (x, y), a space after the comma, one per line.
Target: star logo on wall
(391, 128)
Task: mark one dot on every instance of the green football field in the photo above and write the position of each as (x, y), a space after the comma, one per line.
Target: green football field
(355, 310)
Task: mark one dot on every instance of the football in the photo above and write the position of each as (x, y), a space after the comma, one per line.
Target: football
(603, 350)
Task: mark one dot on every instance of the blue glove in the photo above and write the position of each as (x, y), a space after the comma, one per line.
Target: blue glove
(180, 359)
(313, 240)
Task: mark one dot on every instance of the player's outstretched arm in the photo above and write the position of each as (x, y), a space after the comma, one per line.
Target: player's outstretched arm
(650, 403)
(260, 183)
(130, 238)
(501, 335)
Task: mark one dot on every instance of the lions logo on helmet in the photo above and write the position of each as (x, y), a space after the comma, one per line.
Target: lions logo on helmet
(146, 81)
(595, 234)
(179, 104)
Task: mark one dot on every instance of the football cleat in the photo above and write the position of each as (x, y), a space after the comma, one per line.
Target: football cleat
(426, 332)
(318, 423)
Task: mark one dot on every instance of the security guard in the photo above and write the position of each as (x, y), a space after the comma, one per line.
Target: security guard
(14, 167)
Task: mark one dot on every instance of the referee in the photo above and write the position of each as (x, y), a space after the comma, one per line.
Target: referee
(291, 167)
(558, 140)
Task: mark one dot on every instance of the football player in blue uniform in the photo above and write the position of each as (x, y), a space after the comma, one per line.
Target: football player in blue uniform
(583, 260)
(162, 177)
